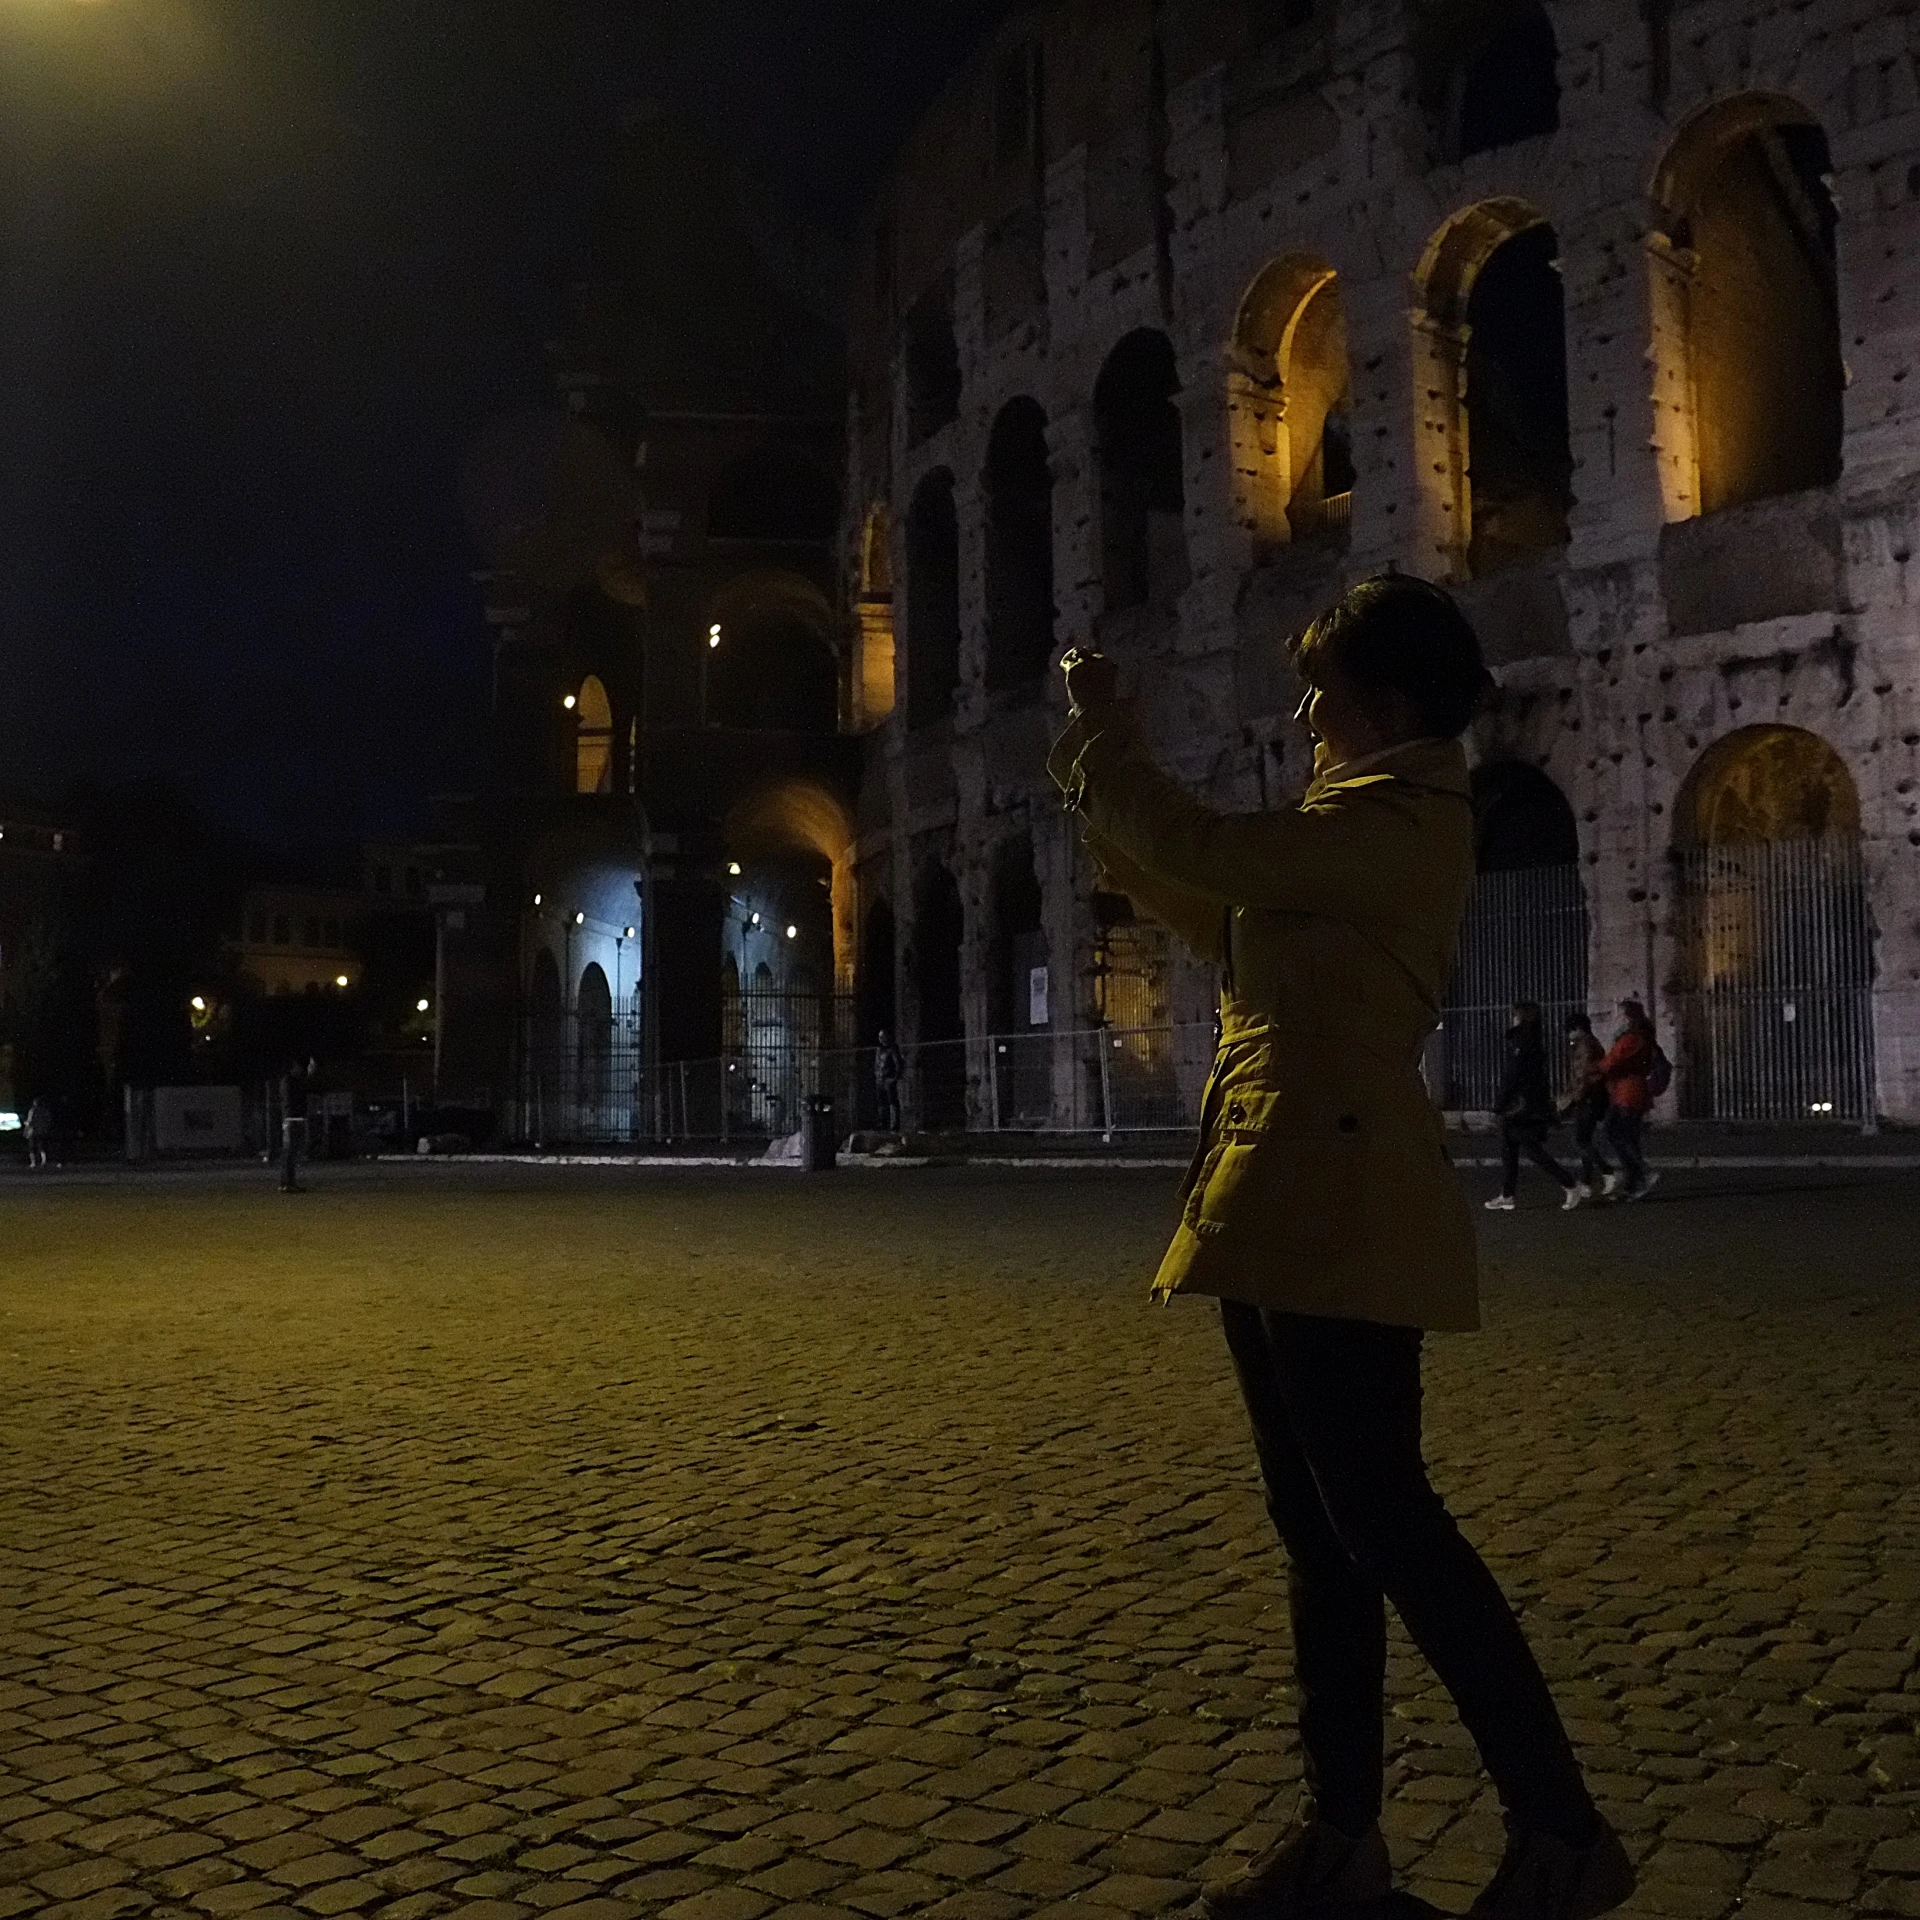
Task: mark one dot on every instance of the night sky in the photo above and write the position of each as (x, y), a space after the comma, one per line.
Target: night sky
(265, 265)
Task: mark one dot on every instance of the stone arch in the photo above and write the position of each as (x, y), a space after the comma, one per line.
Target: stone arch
(1774, 949)
(1142, 467)
(768, 655)
(1490, 332)
(804, 827)
(1521, 819)
(1762, 784)
(939, 928)
(875, 672)
(593, 1042)
(592, 737)
(933, 602)
(1749, 375)
(1019, 503)
(879, 961)
(775, 495)
(1291, 400)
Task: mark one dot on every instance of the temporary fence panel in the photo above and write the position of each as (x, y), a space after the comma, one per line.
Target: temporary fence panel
(1524, 938)
(1777, 942)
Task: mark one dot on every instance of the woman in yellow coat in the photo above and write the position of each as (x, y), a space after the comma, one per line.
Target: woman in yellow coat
(1322, 1212)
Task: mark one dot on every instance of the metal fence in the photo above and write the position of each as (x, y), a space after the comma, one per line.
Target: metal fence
(1524, 938)
(1777, 947)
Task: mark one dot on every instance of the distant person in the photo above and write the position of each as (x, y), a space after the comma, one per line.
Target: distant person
(296, 1092)
(1526, 1111)
(1628, 1071)
(888, 1070)
(1321, 1212)
(1587, 1103)
(39, 1131)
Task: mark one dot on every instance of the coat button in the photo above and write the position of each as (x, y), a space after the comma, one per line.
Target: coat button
(1236, 1115)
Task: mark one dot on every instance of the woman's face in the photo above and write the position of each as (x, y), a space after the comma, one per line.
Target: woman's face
(1338, 718)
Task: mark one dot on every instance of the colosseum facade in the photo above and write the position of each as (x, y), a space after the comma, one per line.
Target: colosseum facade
(1173, 318)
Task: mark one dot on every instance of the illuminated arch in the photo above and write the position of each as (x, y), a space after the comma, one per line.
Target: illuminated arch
(1291, 394)
(1762, 784)
(790, 817)
(1749, 380)
(593, 738)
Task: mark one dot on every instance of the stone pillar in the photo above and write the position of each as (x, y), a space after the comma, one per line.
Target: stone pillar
(1388, 512)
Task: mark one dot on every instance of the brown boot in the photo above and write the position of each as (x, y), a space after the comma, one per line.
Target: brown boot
(1314, 1869)
(1543, 1877)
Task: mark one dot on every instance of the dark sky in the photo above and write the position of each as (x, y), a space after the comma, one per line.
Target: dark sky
(264, 267)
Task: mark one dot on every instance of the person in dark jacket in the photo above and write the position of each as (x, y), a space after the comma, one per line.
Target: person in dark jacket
(1526, 1111)
(1587, 1103)
(888, 1071)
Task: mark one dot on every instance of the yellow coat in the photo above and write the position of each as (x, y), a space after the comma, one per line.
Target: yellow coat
(1322, 1184)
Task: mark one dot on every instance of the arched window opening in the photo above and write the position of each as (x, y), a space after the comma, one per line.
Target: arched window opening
(879, 1011)
(1292, 403)
(1749, 377)
(1491, 328)
(594, 1045)
(1142, 473)
(775, 496)
(939, 1057)
(1775, 944)
(1525, 935)
(933, 603)
(593, 738)
(874, 688)
(1509, 87)
(931, 358)
(768, 659)
(1020, 610)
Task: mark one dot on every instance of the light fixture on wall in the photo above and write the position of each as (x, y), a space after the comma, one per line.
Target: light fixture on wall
(538, 898)
(570, 702)
(579, 919)
(713, 634)
(793, 933)
(733, 867)
(423, 1006)
(341, 981)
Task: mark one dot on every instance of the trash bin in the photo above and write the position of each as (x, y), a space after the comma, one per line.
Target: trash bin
(819, 1140)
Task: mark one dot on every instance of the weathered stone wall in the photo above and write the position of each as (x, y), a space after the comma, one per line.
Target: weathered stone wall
(1624, 654)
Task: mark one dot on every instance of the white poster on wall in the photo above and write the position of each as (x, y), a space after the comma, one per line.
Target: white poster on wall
(1037, 1014)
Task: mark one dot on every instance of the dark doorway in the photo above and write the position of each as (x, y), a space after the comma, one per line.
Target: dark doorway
(939, 1057)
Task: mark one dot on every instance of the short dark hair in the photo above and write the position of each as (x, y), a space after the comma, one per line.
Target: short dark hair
(1398, 634)
(1578, 1022)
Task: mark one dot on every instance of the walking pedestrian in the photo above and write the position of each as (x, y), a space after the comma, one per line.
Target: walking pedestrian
(1627, 1070)
(1527, 1111)
(39, 1131)
(295, 1091)
(1587, 1102)
(1322, 1213)
(888, 1069)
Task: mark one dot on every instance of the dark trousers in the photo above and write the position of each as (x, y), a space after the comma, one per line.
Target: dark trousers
(293, 1136)
(1589, 1135)
(886, 1097)
(1527, 1137)
(1335, 1406)
(1623, 1136)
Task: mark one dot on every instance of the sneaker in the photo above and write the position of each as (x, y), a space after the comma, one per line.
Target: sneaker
(1314, 1869)
(1645, 1187)
(1542, 1877)
(1500, 1203)
(1611, 1185)
(1574, 1199)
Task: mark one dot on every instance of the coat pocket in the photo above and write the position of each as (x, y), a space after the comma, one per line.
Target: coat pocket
(1286, 1164)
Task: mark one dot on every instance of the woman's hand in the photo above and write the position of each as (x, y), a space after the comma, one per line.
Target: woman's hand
(1092, 679)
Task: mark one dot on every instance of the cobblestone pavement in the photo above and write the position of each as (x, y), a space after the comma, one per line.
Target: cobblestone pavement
(742, 1545)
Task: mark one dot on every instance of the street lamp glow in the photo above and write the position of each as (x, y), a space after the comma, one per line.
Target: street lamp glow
(755, 920)
(570, 702)
(793, 933)
(713, 635)
(733, 867)
(198, 1003)
(340, 980)
(538, 898)
(422, 1006)
(628, 935)
(579, 919)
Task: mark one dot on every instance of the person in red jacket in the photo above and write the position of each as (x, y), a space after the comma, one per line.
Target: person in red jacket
(1624, 1073)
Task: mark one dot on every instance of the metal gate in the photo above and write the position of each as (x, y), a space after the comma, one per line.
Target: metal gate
(1524, 938)
(1777, 945)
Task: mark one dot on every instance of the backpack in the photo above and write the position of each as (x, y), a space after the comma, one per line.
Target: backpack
(1659, 1071)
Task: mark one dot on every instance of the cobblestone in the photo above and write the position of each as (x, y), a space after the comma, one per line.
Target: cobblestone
(595, 1545)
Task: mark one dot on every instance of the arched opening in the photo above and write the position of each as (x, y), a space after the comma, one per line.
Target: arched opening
(768, 657)
(773, 495)
(939, 1081)
(1487, 72)
(592, 738)
(1020, 611)
(933, 602)
(1019, 992)
(1292, 400)
(1749, 376)
(879, 1011)
(594, 1051)
(1492, 333)
(931, 365)
(1142, 472)
(873, 680)
(1775, 945)
(546, 1050)
(1525, 935)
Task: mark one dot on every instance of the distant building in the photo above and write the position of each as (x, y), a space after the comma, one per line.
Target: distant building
(1174, 319)
(300, 939)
